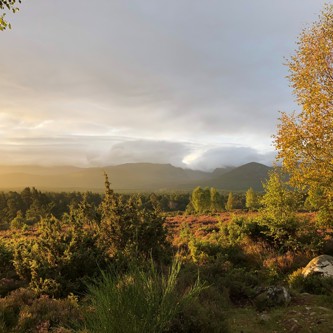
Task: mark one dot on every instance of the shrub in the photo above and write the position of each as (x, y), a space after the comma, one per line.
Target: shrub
(129, 229)
(296, 234)
(18, 222)
(8, 277)
(240, 284)
(6, 257)
(233, 283)
(240, 227)
(205, 252)
(8, 284)
(138, 301)
(60, 259)
(23, 311)
(10, 307)
(203, 314)
(202, 252)
(296, 280)
(312, 283)
(285, 263)
(280, 235)
(207, 312)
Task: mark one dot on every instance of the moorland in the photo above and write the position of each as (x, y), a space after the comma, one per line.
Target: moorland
(162, 262)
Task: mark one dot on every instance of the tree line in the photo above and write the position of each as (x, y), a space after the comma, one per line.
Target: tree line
(30, 205)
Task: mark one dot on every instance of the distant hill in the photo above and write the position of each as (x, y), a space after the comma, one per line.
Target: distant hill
(221, 171)
(242, 178)
(131, 177)
(125, 177)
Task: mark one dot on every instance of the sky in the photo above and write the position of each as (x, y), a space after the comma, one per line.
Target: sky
(198, 84)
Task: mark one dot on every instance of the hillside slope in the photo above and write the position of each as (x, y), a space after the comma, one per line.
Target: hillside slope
(242, 178)
(132, 177)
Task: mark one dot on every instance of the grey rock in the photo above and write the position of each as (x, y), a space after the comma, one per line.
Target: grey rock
(271, 296)
(322, 265)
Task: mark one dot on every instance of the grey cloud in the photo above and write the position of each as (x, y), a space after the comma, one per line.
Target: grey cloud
(62, 150)
(146, 151)
(93, 151)
(164, 70)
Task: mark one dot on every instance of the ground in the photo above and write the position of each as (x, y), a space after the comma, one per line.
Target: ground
(306, 314)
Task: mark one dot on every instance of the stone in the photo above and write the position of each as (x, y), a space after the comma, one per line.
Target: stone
(322, 265)
(323, 308)
(264, 317)
(272, 296)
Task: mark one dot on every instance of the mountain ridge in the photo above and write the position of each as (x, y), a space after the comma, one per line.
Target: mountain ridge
(132, 177)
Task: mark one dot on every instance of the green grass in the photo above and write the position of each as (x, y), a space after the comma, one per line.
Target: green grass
(138, 301)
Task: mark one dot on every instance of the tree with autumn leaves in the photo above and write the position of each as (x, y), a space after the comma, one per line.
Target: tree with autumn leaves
(304, 140)
(9, 5)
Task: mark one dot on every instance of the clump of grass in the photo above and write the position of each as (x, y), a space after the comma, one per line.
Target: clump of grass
(138, 301)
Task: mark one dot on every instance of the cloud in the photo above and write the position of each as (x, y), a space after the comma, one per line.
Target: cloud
(92, 151)
(231, 156)
(146, 151)
(164, 81)
(73, 150)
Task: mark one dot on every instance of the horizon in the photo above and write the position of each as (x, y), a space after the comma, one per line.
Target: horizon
(208, 170)
(194, 85)
(132, 177)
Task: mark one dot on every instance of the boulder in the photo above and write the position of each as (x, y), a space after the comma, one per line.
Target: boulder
(271, 296)
(322, 265)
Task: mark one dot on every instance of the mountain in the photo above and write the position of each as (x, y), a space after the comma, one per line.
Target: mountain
(125, 177)
(221, 171)
(242, 178)
(131, 177)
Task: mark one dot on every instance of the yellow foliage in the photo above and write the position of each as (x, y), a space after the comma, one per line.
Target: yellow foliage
(304, 141)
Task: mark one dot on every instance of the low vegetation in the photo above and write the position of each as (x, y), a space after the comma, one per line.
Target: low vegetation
(118, 263)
